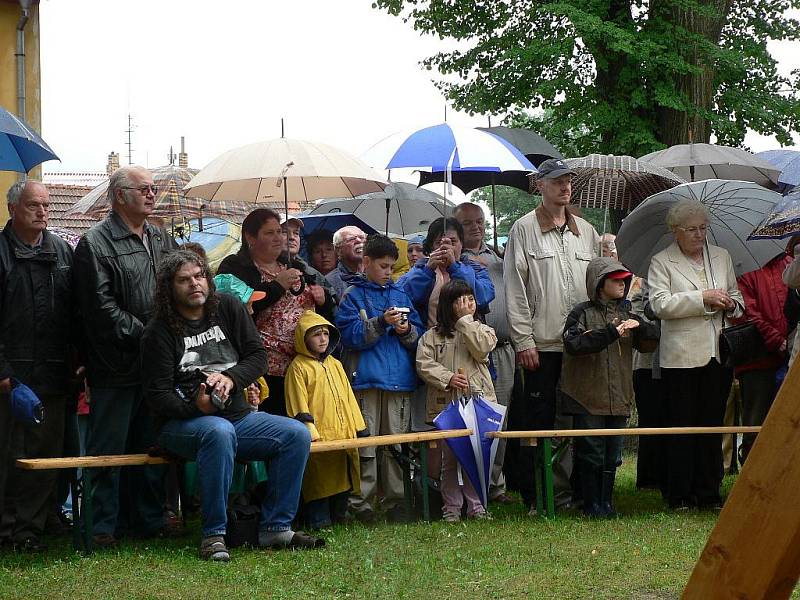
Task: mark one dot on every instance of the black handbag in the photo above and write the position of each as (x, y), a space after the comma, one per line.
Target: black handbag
(741, 344)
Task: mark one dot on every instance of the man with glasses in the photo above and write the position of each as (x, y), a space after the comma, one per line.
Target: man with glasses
(115, 275)
(349, 244)
(35, 340)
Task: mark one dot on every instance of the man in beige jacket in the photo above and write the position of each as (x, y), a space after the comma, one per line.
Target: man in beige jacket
(546, 257)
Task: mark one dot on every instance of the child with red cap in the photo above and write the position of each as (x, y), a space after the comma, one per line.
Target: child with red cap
(597, 376)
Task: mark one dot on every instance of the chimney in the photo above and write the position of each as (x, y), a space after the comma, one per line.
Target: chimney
(183, 158)
(112, 164)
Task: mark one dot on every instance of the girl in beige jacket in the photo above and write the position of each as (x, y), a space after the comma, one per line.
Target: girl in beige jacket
(453, 359)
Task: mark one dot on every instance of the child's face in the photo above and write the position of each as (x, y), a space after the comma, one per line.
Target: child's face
(379, 270)
(464, 305)
(613, 289)
(414, 253)
(317, 340)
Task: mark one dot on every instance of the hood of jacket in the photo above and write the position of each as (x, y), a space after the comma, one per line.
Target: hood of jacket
(308, 320)
(597, 270)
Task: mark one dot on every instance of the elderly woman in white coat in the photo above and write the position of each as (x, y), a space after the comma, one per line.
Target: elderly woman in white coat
(693, 290)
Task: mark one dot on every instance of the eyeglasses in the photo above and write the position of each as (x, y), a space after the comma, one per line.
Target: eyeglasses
(144, 189)
(354, 239)
(695, 230)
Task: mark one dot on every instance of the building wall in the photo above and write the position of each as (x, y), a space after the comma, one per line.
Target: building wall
(9, 17)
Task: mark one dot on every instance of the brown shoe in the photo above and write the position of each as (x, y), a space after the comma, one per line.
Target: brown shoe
(503, 498)
(104, 540)
(213, 548)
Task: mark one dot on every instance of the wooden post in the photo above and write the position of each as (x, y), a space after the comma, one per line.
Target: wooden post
(754, 550)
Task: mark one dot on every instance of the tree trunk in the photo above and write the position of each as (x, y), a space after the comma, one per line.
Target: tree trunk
(684, 126)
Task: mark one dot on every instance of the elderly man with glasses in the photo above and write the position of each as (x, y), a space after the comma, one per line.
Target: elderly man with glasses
(115, 275)
(349, 245)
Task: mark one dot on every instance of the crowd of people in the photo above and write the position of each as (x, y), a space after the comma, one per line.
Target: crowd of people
(278, 351)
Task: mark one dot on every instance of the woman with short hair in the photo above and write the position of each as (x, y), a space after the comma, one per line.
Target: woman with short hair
(693, 290)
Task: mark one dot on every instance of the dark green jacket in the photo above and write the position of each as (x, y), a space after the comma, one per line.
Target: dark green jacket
(597, 370)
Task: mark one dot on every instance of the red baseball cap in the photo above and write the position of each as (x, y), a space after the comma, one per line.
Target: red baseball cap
(619, 275)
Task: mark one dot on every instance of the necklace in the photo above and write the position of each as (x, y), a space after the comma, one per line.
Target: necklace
(264, 268)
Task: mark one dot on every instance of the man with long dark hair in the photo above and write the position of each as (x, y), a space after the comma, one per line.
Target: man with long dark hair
(202, 352)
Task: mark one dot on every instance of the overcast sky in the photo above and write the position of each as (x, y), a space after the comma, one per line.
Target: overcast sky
(222, 74)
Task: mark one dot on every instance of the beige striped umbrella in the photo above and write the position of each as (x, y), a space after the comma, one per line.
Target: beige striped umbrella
(170, 201)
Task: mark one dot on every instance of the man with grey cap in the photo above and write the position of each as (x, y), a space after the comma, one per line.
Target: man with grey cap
(546, 257)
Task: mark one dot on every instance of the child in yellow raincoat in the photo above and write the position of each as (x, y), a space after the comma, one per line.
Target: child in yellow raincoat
(319, 395)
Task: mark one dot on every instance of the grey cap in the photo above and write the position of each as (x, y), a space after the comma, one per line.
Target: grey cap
(552, 168)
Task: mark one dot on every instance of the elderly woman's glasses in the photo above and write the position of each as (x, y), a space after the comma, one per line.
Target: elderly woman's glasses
(702, 229)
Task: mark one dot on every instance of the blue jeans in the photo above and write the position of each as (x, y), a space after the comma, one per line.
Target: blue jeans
(282, 443)
(131, 501)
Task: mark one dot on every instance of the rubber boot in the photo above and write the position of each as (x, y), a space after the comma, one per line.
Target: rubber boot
(590, 486)
(607, 493)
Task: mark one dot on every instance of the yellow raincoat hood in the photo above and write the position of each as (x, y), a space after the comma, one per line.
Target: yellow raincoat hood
(309, 320)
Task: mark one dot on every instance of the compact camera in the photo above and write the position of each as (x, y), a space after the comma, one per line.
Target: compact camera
(404, 312)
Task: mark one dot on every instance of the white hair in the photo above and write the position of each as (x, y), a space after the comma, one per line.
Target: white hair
(120, 179)
(338, 237)
(685, 209)
(15, 191)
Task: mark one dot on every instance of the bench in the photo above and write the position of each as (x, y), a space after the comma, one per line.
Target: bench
(545, 457)
(83, 488)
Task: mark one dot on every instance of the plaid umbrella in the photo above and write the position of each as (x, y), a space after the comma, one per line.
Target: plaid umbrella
(782, 222)
(615, 182)
(170, 200)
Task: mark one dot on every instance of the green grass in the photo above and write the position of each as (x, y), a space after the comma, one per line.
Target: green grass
(646, 554)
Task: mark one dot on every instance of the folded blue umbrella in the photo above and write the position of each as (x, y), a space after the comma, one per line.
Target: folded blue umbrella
(25, 404)
(475, 453)
(21, 148)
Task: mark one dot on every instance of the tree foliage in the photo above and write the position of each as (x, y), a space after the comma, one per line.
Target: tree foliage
(617, 76)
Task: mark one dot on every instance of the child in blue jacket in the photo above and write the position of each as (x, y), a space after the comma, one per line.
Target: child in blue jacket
(380, 329)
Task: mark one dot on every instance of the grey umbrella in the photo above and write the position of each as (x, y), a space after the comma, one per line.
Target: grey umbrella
(695, 162)
(736, 208)
(401, 209)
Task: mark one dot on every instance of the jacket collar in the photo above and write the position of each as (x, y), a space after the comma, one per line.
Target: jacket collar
(711, 257)
(119, 230)
(45, 250)
(546, 221)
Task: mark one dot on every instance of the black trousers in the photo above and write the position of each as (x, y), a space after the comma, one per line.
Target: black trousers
(758, 391)
(697, 397)
(535, 409)
(650, 400)
(28, 494)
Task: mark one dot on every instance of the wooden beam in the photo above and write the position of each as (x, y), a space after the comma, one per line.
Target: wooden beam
(72, 462)
(560, 433)
(753, 551)
(388, 440)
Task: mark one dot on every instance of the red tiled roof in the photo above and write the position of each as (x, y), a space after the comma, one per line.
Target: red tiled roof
(62, 197)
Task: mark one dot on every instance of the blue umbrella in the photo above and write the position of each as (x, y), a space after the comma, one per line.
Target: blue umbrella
(332, 222)
(21, 148)
(476, 453)
(448, 149)
(788, 161)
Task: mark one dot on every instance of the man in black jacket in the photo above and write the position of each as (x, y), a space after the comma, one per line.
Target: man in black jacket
(115, 274)
(200, 353)
(35, 338)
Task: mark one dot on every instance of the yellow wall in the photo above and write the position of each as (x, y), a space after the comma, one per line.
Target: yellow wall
(9, 17)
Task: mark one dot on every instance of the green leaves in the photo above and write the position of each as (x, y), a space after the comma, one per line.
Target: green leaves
(623, 77)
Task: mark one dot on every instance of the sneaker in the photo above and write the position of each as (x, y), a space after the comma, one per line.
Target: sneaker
(481, 516)
(449, 517)
(532, 512)
(299, 540)
(213, 548)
